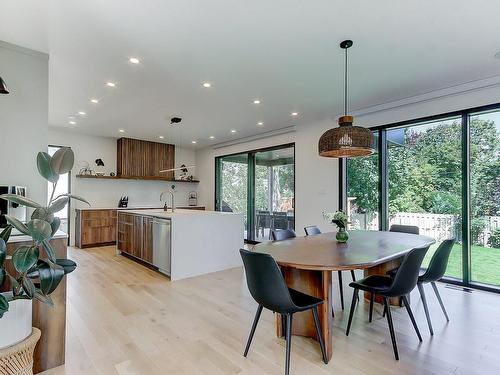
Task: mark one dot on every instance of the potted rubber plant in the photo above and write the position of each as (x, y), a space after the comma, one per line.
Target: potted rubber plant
(32, 271)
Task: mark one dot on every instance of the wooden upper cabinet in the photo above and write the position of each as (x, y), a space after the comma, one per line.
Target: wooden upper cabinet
(138, 158)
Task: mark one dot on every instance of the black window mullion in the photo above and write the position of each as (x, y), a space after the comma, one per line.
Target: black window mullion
(383, 201)
(251, 197)
(466, 243)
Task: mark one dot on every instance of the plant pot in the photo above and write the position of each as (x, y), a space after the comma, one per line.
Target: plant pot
(18, 359)
(15, 325)
(342, 235)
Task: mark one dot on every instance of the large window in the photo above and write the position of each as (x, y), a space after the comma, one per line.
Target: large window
(441, 174)
(485, 197)
(261, 186)
(362, 191)
(424, 168)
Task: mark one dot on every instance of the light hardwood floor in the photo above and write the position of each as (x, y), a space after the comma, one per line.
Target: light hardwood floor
(126, 319)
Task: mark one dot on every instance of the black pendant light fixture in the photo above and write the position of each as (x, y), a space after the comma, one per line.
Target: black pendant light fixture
(346, 140)
(3, 87)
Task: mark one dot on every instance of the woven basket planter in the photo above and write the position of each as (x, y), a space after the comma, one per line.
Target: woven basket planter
(18, 359)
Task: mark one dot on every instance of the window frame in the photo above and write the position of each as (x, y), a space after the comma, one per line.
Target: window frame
(464, 115)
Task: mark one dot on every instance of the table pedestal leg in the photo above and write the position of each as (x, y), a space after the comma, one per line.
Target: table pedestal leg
(317, 284)
(381, 269)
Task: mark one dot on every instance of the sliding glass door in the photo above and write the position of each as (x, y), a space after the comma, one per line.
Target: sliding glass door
(485, 197)
(425, 183)
(260, 185)
(441, 174)
(362, 191)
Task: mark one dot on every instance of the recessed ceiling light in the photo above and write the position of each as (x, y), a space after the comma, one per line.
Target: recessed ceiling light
(121, 130)
(193, 142)
(134, 60)
(110, 84)
(82, 113)
(211, 137)
(207, 84)
(260, 123)
(294, 113)
(72, 122)
(233, 131)
(161, 136)
(95, 101)
(256, 101)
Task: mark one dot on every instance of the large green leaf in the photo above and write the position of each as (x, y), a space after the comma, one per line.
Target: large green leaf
(2, 276)
(50, 276)
(49, 250)
(43, 214)
(68, 265)
(43, 298)
(43, 163)
(58, 204)
(39, 230)
(17, 224)
(5, 234)
(72, 196)
(4, 305)
(56, 223)
(25, 257)
(28, 287)
(3, 253)
(62, 161)
(19, 199)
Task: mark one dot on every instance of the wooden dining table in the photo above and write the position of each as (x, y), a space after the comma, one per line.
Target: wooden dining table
(307, 264)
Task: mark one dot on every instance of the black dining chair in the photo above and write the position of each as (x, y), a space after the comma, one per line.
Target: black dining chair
(434, 272)
(401, 285)
(412, 229)
(313, 230)
(282, 234)
(268, 288)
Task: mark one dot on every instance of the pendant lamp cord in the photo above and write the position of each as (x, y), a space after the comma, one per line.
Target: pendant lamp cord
(345, 84)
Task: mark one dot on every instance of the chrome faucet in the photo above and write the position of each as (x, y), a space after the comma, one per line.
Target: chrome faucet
(172, 200)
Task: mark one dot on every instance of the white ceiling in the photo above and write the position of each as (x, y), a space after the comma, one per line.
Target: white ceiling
(284, 52)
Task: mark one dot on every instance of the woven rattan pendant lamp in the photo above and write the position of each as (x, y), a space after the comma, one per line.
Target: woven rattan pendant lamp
(346, 140)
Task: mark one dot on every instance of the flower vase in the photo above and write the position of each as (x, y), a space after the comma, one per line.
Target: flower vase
(342, 235)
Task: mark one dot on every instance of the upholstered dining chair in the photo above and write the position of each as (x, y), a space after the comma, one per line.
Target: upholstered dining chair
(268, 288)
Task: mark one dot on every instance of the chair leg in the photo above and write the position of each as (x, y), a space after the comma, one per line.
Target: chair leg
(254, 325)
(391, 328)
(384, 312)
(351, 313)
(372, 297)
(440, 300)
(318, 332)
(283, 325)
(412, 318)
(288, 342)
(353, 276)
(426, 308)
(341, 289)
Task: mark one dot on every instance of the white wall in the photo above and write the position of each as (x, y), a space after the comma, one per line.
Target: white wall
(106, 193)
(23, 117)
(316, 177)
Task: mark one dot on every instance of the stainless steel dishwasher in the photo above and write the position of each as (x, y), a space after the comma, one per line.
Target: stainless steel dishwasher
(162, 245)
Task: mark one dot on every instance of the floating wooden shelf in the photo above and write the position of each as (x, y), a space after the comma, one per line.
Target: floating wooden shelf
(146, 178)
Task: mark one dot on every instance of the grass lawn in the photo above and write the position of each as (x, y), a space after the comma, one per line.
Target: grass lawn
(485, 263)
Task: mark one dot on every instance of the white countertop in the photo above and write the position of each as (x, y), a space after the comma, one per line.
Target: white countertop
(160, 213)
(16, 236)
(145, 207)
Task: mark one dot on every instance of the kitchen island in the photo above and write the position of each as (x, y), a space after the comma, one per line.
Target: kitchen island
(184, 243)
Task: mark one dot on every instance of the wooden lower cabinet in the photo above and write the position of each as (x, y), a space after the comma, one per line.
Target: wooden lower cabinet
(95, 228)
(135, 236)
(147, 239)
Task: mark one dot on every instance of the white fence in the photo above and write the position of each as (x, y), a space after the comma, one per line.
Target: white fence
(437, 226)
